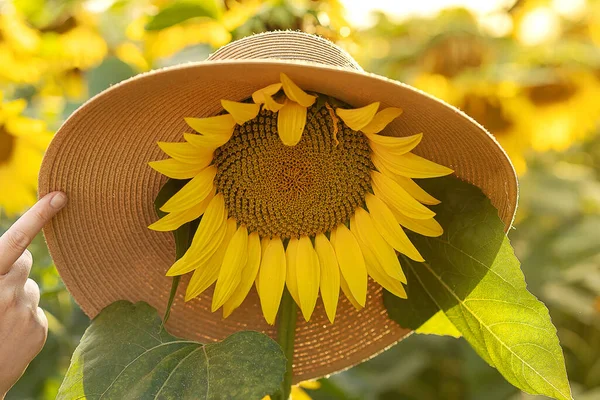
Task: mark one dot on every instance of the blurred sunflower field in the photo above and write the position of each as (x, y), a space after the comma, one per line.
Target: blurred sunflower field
(529, 71)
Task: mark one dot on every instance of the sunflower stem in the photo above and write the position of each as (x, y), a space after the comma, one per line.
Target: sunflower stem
(182, 235)
(286, 331)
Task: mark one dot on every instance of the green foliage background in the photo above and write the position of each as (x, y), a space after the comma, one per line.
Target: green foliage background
(516, 89)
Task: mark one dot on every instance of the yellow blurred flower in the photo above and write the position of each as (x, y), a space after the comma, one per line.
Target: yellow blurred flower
(563, 110)
(169, 41)
(550, 114)
(80, 47)
(19, 46)
(18, 35)
(453, 53)
(131, 54)
(497, 106)
(22, 142)
(70, 84)
(17, 68)
(298, 393)
(238, 13)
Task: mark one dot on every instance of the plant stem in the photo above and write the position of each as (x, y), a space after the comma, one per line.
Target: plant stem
(286, 331)
(174, 285)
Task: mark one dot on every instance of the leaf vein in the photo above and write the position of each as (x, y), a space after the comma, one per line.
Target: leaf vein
(173, 371)
(492, 333)
(137, 358)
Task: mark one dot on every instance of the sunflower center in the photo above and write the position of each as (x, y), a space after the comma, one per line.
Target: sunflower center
(7, 143)
(290, 191)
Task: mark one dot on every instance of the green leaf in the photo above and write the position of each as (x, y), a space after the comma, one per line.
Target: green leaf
(439, 324)
(125, 354)
(109, 72)
(472, 275)
(176, 13)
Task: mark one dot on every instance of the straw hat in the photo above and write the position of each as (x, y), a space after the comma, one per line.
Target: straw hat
(101, 244)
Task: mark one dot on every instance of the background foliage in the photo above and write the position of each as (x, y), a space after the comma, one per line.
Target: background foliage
(529, 72)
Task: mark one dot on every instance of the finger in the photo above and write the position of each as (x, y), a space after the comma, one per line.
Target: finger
(42, 322)
(16, 239)
(31, 294)
(19, 271)
(41, 315)
(39, 332)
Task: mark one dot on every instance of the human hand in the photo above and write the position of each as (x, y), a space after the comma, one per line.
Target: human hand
(23, 325)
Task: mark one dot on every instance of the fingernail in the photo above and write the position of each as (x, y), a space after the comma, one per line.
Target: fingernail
(58, 201)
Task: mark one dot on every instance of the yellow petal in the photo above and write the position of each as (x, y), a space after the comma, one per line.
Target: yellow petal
(13, 108)
(308, 276)
(407, 184)
(272, 279)
(189, 263)
(207, 142)
(395, 146)
(174, 220)
(193, 192)
(294, 93)
(330, 275)
(208, 237)
(221, 125)
(357, 118)
(351, 262)
(312, 385)
(241, 112)
(395, 196)
(215, 215)
(298, 394)
(290, 278)
(264, 243)
(249, 274)
(207, 273)
(364, 229)
(290, 123)
(259, 96)
(392, 232)
(378, 274)
(233, 263)
(272, 105)
(348, 293)
(187, 153)
(426, 227)
(176, 169)
(201, 280)
(411, 165)
(382, 119)
(415, 190)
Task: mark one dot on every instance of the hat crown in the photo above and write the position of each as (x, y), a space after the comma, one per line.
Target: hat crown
(287, 45)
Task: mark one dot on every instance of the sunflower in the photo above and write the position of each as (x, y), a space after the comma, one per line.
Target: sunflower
(22, 142)
(298, 190)
(560, 109)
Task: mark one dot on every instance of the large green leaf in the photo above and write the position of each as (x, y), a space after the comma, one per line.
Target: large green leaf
(125, 354)
(472, 275)
(181, 11)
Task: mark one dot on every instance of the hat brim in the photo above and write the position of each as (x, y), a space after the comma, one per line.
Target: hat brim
(104, 251)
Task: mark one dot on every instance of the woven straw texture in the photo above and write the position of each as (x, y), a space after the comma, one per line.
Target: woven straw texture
(100, 242)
